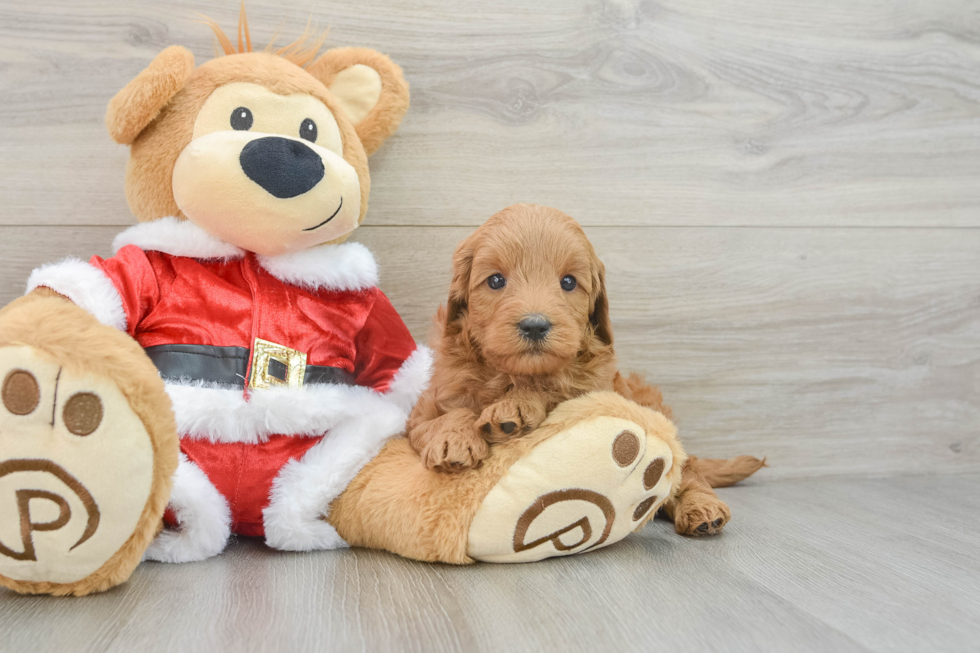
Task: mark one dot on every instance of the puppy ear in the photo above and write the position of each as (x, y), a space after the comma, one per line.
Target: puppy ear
(459, 288)
(599, 315)
(135, 107)
(370, 88)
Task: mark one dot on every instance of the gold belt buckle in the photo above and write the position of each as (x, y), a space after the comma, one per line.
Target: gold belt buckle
(276, 366)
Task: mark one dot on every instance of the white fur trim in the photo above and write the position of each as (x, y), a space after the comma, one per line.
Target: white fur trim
(204, 516)
(222, 414)
(412, 379)
(86, 286)
(302, 492)
(344, 267)
(348, 266)
(178, 238)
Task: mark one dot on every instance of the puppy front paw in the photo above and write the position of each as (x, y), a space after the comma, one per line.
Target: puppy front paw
(453, 451)
(511, 417)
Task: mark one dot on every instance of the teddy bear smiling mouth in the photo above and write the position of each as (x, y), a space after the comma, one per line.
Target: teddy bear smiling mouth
(332, 216)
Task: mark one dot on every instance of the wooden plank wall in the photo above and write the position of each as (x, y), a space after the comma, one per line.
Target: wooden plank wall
(786, 193)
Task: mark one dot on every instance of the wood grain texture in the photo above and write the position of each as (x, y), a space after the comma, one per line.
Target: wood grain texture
(785, 195)
(818, 565)
(675, 112)
(831, 351)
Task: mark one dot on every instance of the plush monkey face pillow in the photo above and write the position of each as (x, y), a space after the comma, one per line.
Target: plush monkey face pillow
(255, 148)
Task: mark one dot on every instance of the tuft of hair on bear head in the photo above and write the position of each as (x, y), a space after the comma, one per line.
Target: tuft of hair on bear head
(301, 52)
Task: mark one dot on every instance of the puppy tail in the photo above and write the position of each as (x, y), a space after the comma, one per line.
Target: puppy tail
(722, 473)
(716, 471)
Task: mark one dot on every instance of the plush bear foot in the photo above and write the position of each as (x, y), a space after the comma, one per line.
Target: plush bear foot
(85, 464)
(600, 477)
(596, 469)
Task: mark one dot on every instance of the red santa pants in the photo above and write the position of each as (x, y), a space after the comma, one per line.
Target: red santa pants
(243, 474)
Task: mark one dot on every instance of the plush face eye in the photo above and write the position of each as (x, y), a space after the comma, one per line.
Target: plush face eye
(241, 119)
(496, 281)
(568, 283)
(308, 130)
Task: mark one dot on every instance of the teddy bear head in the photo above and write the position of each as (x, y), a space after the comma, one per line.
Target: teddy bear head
(264, 150)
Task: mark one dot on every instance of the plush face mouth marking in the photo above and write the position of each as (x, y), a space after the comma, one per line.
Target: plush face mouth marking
(332, 216)
(262, 167)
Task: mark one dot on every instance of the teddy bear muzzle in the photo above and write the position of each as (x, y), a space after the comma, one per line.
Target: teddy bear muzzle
(266, 193)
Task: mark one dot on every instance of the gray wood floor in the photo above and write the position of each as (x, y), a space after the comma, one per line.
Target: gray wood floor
(889, 564)
(786, 196)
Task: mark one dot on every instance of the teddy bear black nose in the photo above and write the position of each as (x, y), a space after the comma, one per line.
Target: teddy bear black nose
(534, 327)
(284, 167)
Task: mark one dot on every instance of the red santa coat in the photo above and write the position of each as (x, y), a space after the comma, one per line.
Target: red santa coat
(257, 460)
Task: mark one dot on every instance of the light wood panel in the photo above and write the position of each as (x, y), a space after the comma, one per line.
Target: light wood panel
(776, 112)
(727, 157)
(832, 351)
(820, 565)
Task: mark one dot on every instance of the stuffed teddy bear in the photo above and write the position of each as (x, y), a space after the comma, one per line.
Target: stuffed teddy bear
(233, 368)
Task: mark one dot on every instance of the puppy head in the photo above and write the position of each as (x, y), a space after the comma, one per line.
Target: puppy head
(265, 150)
(529, 290)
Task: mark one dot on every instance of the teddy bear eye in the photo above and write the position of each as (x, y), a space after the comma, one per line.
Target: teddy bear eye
(568, 283)
(496, 281)
(241, 119)
(308, 130)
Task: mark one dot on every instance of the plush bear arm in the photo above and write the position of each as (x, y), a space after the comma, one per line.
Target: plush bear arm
(383, 345)
(117, 291)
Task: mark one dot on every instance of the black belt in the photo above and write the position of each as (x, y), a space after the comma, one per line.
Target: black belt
(227, 366)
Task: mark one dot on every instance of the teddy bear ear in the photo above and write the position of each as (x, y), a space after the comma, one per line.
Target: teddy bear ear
(370, 89)
(135, 107)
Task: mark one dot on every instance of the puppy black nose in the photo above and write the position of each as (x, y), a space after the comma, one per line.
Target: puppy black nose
(534, 327)
(284, 167)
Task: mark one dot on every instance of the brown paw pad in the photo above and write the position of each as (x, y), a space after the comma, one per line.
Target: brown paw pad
(82, 413)
(625, 449)
(21, 393)
(708, 527)
(653, 472)
(644, 508)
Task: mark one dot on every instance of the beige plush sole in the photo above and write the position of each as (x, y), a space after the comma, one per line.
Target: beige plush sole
(584, 488)
(76, 470)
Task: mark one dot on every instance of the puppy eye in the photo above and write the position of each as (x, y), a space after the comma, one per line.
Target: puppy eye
(241, 119)
(496, 281)
(568, 282)
(308, 130)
